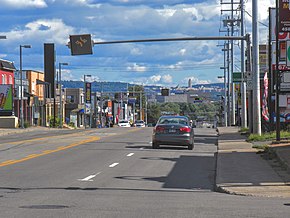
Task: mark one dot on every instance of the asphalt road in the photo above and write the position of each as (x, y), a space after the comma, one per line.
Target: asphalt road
(115, 173)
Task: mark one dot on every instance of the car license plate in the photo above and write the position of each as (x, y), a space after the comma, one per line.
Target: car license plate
(171, 130)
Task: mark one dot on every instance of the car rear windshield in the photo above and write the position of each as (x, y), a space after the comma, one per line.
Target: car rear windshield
(182, 121)
(123, 121)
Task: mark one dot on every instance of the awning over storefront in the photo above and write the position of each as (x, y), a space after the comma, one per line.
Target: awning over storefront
(7, 65)
(77, 111)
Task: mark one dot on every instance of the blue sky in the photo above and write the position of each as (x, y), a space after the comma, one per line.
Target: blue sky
(36, 22)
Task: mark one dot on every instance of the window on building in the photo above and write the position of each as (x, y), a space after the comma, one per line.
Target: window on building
(3, 79)
(70, 99)
(10, 79)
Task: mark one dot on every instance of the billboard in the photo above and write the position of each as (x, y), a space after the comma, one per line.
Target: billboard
(6, 101)
(49, 65)
(88, 92)
(284, 16)
(282, 35)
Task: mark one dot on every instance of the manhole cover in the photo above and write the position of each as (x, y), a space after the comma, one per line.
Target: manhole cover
(45, 207)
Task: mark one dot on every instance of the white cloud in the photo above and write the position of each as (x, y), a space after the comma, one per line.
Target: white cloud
(42, 30)
(155, 78)
(195, 80)
(173, 66)
(262, 9)
(136, 51)
(137, 68)
(3, 55)
(182, 51)
(87, 3)
(166, 78)
(22, 4)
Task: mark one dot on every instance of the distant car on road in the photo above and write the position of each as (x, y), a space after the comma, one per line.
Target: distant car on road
(173, 130)
(124, 123)
(139, 123)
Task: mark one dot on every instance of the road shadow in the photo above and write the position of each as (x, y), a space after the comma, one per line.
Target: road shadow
(246, 169)
(188, 172)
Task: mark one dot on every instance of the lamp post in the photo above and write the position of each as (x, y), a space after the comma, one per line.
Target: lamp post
(60, 93)
(85, 95)
(21, 86)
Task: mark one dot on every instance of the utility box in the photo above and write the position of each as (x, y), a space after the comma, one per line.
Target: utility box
(8, 122)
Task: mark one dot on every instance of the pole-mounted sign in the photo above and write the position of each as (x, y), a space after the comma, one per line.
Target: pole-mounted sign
(288, 53)
(284, 16)
(81, 44)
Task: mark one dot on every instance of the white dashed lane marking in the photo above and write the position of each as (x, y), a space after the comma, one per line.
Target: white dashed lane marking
(129, 155)
(113, 165)
(89, 178)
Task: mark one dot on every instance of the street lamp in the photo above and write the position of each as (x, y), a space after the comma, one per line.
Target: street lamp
(60, 93)
(85, 95)
(21, 86)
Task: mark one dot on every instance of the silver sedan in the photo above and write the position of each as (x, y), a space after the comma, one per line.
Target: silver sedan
(173, 130)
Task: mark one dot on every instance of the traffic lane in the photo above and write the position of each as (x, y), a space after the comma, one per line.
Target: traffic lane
(110, 195)
(32, 146)
(47, 177)
(63, 166)
(153, 168)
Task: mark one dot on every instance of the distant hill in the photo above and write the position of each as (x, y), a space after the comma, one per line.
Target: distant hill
(98, 86)
(122, 87)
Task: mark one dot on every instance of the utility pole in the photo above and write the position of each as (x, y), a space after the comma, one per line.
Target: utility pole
(277, 78)
(243, 82)
(141, 117)
(256, 73)
(230, 22)
(232, 65)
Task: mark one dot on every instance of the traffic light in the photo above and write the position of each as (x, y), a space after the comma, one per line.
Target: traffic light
(81, 44)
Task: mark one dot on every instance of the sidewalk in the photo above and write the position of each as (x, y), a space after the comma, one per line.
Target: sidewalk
(11, 131)
(240, 170)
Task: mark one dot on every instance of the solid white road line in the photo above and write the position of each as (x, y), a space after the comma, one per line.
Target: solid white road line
(114, 164)
(129, 155)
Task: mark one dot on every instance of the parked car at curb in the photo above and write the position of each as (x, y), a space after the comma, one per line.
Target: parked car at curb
(139, 123)
(173, 130)
(124, 123)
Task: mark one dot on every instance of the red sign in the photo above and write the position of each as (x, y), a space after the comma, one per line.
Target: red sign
(284, 16)
(281, 35)
(280, 67)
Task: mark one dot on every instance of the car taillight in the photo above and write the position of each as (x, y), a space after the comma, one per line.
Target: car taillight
(185, 129)
(159, 129)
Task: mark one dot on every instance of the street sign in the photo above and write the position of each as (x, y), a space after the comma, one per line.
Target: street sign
(81, 44)
(88, 108)
(284, 16)
(250, 85)
(281, 67)
(237, 77)
(288, 53)
(88, 92)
